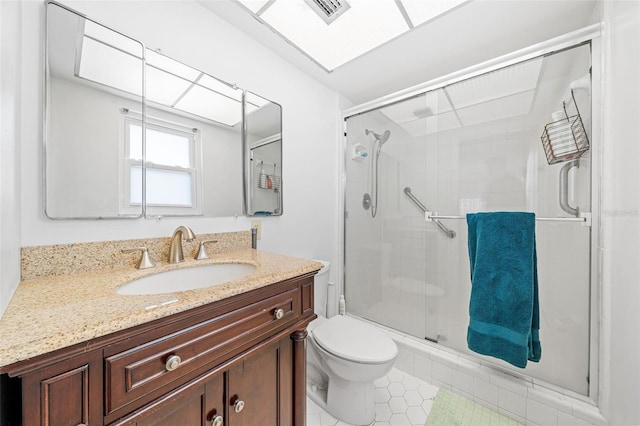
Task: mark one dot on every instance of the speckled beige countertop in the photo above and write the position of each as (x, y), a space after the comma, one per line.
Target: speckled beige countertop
(56, 311)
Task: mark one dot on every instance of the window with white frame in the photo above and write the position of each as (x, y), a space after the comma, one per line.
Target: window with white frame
(171, 167)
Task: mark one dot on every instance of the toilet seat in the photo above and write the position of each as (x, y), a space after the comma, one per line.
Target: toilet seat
(354, 340)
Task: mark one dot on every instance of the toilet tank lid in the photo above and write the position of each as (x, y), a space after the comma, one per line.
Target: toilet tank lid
(355, 340)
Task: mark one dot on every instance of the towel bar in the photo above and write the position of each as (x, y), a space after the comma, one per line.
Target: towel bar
(584, 218)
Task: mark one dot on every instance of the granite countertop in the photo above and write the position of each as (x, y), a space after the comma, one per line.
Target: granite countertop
(53, 312)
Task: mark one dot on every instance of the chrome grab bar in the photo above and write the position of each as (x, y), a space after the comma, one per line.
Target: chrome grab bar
(564, 188)
(448, 232)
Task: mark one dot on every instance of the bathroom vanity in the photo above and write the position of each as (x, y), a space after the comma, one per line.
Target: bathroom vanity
(238, 360)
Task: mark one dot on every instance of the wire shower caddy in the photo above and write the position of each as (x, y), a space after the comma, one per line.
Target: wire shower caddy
(565, 139)
(268, 181)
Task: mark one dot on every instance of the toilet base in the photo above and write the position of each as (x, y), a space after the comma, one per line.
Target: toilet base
(360, 408)
(351, 402)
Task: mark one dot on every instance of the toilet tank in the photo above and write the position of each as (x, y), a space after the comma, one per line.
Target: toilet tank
(320, 286)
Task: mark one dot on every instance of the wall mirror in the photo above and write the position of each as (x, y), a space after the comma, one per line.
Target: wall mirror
(263, 168)
(85, 92)
(130, 132)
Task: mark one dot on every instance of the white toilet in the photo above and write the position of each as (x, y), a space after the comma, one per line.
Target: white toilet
(344, 358)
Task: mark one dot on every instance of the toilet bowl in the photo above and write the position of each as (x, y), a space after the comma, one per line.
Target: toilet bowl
(344, 358)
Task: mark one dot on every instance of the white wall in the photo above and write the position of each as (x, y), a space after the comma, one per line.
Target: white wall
(10, 104)
(189, 33)
(620, 245)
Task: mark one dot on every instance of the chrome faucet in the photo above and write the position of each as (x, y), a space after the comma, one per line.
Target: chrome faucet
(175, 249)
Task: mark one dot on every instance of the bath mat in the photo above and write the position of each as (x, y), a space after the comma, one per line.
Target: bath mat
(450, 409)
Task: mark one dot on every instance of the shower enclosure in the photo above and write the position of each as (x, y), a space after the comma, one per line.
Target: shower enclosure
(473, 145)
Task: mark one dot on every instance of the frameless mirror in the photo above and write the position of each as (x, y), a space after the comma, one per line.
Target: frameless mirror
(263, 141)
(117, 149)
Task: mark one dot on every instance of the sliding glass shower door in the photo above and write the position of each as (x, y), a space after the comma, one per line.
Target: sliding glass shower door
(474, 145)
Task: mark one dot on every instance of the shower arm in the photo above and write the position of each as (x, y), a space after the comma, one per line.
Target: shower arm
(448, 232)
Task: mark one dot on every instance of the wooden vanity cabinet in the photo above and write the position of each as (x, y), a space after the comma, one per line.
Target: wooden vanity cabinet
(242, 358)
(64, 393)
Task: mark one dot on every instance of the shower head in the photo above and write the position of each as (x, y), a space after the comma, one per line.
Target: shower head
(382, 139)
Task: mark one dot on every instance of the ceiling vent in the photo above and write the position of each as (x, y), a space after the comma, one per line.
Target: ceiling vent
(328, 10)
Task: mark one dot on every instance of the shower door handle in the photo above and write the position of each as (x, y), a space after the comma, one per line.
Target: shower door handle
(564, 188)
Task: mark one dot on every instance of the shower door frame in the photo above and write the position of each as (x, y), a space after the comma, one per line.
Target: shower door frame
(591, 34)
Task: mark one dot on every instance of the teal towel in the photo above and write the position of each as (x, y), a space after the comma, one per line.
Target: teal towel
(504, 311)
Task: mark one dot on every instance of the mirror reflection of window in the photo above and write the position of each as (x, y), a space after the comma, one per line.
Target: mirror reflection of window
(172, 175)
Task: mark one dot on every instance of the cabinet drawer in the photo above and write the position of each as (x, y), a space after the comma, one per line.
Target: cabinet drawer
(145, 370)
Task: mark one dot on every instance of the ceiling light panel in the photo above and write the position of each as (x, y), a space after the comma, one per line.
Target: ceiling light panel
(421, 11)
(366, 25)
(496, 84)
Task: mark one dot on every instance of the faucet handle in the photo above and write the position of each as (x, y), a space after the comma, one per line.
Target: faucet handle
(144, 262)
(202, 252)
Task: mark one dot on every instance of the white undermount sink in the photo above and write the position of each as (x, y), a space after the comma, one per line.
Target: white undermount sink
(187, 279)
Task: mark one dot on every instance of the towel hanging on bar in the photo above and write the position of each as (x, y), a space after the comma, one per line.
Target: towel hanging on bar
(503, 309)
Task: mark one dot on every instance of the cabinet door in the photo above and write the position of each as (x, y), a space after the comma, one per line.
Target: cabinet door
(260, 387)
(67, 393)
(196, 403)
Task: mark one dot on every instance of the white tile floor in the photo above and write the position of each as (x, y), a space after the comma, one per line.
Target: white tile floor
(401, 400)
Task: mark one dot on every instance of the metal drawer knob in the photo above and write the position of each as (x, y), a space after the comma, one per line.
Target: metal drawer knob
(279, 313)
(238, 405)
(173, 362)
(217, 420)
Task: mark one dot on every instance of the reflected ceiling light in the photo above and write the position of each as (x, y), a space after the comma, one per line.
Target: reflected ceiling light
(431, 125)
(168, 82)
(497, 84)
(171, 66)
(204, 103)
(429, 104)
(333, 32)
(112, 38)
(497, 109)
(91, 66)
(217, 86)
(164, 88)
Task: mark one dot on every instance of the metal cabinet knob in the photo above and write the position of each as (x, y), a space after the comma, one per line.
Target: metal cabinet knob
(217, 420)
(279, 313)
(238, 405)
(173, 362)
